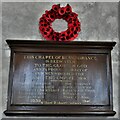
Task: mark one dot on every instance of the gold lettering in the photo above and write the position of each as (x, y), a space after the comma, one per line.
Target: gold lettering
(59, 58)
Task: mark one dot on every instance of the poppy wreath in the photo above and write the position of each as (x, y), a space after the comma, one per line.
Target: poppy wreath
(57, 12)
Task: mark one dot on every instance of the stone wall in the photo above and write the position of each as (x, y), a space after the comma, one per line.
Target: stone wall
(99, 22)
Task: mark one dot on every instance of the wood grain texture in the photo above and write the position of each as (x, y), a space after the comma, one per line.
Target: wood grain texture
(98, 76)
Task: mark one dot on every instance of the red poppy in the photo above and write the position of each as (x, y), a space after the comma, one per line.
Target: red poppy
(56, 7)
(63, 36)
(62, 11)
(78, 29)
(46, 31)
(72, 24)
(55, 36)
(65, 17)
(58, 16)
(68, 19)
(68, 8)
(72, 37)
(41, 20)
(48, 37)
(74, 15)
(57, 12)
(52, 17)
(46, 12)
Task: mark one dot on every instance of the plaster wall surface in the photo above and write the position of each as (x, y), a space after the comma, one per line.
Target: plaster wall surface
(99, 22)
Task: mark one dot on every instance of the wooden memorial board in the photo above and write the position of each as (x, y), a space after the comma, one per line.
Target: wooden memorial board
(54, 78)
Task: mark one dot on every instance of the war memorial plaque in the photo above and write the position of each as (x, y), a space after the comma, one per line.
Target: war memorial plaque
(54, 78)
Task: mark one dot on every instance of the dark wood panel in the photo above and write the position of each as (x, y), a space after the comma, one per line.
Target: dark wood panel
(60, 78)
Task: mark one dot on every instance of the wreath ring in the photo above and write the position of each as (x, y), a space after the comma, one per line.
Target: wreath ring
(57, 12)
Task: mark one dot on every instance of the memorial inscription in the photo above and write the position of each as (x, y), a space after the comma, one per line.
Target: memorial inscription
(43, 79)
(59, 79)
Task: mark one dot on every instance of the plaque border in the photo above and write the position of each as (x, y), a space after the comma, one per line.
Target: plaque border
(45, 46)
